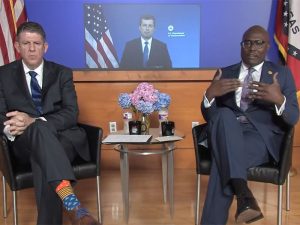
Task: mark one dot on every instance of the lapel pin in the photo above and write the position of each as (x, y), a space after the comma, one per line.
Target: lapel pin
(270, 72)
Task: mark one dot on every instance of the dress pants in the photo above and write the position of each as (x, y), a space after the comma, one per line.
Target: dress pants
(50, 157)
(235, 147)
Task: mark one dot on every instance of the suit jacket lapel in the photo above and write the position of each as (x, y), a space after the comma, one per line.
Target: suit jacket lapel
(267, 73)
(20, 80)
(233, 74)
(235, 71)
(48, 79)
(153, 46)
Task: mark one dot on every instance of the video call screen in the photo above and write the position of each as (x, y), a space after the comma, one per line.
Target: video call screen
(176, 25)
(92, 34)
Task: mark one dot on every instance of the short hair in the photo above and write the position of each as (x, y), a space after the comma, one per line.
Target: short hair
(147, 17)
(31, 27)
(257, 28)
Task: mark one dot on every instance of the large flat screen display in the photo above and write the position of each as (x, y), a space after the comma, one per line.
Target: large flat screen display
(109, 27)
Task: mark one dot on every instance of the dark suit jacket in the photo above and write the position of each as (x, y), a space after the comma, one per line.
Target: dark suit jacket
(262, 114)
(132, 57)
(59, 100)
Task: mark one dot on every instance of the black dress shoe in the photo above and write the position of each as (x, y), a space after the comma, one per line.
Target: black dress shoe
(248, 210)
(80, 216)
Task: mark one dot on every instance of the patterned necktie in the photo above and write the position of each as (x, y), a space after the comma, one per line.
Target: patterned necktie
(146, 53)
(36, 92)
(245, 101)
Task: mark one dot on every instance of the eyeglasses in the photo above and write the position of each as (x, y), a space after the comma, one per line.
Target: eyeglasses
(257, 44)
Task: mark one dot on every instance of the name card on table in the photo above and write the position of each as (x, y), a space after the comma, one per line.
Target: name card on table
(125, 138)
(168, 138)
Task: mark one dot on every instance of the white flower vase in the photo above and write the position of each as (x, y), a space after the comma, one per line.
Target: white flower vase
(127, 116)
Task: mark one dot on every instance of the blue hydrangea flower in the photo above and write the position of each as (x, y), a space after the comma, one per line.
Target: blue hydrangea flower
(163, 101)
(145, 107)
(124, 100)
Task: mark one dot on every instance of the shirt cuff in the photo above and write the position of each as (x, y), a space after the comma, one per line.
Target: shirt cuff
(282, 107)
(8, 134)
(207, 103)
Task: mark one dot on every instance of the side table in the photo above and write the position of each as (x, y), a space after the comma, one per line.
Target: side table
(167, 159)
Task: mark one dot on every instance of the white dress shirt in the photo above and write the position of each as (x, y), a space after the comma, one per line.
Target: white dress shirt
(39, 76)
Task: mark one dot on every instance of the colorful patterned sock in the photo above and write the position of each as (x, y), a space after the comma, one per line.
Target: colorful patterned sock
(66, 193)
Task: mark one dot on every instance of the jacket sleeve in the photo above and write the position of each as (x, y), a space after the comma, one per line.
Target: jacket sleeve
(291, 112)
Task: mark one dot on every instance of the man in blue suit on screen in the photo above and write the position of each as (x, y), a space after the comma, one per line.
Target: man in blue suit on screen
(146, 51)
(247, 106)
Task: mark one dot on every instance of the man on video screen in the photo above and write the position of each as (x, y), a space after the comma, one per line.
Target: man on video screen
(146, 52)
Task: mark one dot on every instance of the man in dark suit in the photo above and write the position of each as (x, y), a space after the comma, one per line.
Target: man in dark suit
(247, 106)
(38, 114)
(146, 51)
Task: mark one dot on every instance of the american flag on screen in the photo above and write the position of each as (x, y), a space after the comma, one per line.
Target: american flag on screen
(12, 14)
(287, 35)
(99, 48)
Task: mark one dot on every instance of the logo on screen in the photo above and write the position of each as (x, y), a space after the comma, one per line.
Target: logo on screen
(172, 33)
(170, 28)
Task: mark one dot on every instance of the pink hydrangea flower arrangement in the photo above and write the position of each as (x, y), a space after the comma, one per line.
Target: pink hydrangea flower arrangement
(145, 99)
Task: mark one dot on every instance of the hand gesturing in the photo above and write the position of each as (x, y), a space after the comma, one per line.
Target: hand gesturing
(267, 92)
(219, 87)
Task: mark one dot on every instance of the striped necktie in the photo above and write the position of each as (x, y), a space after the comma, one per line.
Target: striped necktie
(245, 101)
(36, 92)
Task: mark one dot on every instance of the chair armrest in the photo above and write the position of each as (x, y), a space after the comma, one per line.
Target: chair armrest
(6, 166)
(94, 136)
(286, 153)
(202, 153)
(199, 133)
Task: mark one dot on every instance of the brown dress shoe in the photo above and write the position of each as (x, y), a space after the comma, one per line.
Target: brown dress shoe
(248, 210)
(80, 216)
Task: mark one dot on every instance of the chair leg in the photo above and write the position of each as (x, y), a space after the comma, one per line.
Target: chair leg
(197, 210)
(279, 205)
(288, 180)
(4, 197)
(15, 208)
(99, 200)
